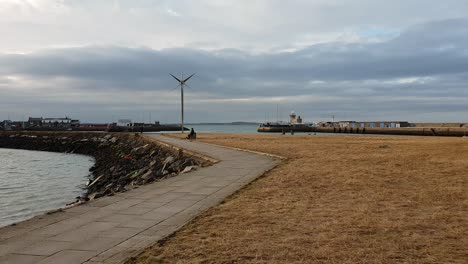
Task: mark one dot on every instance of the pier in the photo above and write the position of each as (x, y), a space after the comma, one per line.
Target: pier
(409, 131)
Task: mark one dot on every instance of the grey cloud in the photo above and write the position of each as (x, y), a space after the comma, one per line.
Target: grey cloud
(355, 74)
(430, 49)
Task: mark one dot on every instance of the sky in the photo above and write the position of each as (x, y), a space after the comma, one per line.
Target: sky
(255, 60)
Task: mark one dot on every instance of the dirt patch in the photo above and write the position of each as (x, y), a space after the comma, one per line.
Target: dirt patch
(336, 199)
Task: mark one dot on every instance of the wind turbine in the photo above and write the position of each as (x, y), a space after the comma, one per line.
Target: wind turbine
(182, 82)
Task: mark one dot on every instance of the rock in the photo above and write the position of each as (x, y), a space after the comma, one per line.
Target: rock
(134, 174)
(92, 196)
(177, 165)
(129, 186)
(116, 169)
(135, 149)
(96, 180)
(147, 175)
(187, 169)
(168, 160)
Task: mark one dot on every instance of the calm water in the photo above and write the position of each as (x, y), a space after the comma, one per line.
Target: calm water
(33, 182)
(252, 129)
(235, 129)
(239, 129)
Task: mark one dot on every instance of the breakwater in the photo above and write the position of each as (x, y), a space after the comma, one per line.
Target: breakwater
(410, 131)
(122, 161)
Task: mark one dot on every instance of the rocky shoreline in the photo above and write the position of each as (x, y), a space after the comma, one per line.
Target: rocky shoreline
(122, 161)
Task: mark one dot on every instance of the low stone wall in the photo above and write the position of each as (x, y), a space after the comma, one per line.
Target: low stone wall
(122, 161)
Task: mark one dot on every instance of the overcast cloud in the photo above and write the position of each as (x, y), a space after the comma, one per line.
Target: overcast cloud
(361, 60)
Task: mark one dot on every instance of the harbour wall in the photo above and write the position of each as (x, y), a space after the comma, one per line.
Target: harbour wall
(411, 131)
(122, 160)
(446, 125)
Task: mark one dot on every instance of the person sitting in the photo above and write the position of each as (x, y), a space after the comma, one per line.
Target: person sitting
(192, 135)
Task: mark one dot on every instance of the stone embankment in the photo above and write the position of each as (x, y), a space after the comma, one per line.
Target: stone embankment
(403, 131)
(122, 161)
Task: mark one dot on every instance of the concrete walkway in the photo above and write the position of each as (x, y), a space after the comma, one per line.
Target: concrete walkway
(112, 229)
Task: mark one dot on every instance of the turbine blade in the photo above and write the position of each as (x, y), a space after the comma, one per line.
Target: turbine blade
(188, 77)
(175, 78)
(174, 88)
(188, 86)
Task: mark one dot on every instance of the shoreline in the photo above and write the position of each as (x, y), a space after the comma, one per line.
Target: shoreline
(115, 228)
(121, 161)
(37, 182)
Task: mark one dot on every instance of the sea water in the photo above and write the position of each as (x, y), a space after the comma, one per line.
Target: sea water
(34, 182)
(234, 129)
(252, 129)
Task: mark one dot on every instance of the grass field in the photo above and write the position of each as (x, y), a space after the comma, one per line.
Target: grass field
(336, 199)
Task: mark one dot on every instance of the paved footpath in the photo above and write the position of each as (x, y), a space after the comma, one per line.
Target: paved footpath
(112, 229)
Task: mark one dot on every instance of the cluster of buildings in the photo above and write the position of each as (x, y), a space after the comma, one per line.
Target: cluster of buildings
(297, 120)
(367, 124)
(129, 123)
(38, 123)
(66, 123)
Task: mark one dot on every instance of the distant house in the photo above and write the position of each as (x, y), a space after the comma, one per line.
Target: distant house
(327, 124)
(75, 123)
(35, 121)
(6, 124)
(57, 122)
(366, 124)
(124, 122)
(374, 124)
(346, 123)
(299, 120)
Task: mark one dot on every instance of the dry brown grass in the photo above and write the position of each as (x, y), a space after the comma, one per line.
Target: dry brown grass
(337, 199)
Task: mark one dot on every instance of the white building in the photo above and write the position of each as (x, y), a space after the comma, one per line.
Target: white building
(56, 122)
(293, 119)
(124, 122)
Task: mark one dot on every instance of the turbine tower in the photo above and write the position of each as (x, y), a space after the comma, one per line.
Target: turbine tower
(182, 82)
